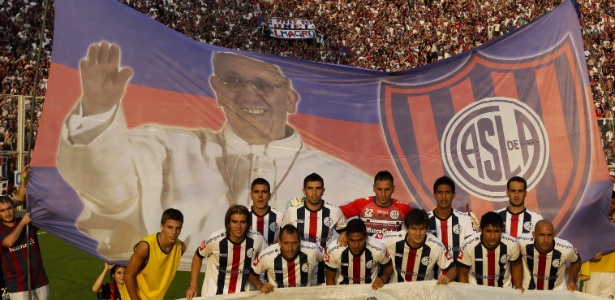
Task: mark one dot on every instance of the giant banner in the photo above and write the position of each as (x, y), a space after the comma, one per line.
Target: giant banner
(139, 118)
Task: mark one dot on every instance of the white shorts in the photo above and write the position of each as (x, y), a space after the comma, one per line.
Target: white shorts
(599, 284)
(41, 293)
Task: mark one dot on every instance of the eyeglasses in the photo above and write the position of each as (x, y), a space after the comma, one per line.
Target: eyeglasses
(236, 84)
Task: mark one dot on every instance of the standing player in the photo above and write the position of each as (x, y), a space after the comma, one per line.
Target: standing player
(229, 252)
(490, 257)
(316, 219)
(416, 252)
(265, 219)
(15, 254)
(358, 263)
(449, 225)
(544, 259)
(517, 218)
(380, 213)
(289, 263)
(152, 267)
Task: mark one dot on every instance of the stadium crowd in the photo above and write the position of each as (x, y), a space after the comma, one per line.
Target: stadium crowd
(375, 34)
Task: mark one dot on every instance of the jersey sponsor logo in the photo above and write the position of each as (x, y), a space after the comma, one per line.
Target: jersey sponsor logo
(273, 226)
(426, 260)
(528, 226)
(305, 267)
(202, 246)
(250, 252)
(394, 214)
(490, 140)
(328, 221)
(556, 263)
(504, 258)
(456, 229)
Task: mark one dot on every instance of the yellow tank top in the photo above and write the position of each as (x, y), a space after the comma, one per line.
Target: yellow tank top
(155, 279)
(123, 291)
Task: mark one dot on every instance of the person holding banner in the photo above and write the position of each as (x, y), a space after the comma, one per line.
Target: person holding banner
(14, 254)
(289, 263)
(490, 257)
(359, 262)
(418, 255)
(149, 168)
(545, 257)
(229, 252)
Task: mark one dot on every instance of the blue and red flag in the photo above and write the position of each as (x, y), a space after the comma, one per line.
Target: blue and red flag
(518, 105)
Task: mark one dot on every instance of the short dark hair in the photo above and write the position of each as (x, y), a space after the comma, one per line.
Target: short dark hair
(444, 180)
(237, 209)
(383, 175)
(313, 177)
(260, 181)
(173, 214)
(516, 179)
(289, 229)
(493, 219)
(416, 217)
(6, 199)
(613, 195)
(356, 225)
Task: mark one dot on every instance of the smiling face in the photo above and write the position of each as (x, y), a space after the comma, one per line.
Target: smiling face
(255, 96)
(416, 235)
(118, 275)
(237, 227)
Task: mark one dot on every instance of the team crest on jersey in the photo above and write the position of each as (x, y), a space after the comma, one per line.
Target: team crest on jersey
(504, 258)
(394, 214)
(273, 227)
(483, 122)
(426, 260)
(528, 226)
(448, 254)
(328, 221)
(456, 229)
(305, 267)
(250, 252)
(369, 264)
(556, 263)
